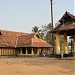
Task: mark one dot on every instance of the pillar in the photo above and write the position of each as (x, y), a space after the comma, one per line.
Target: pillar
(38, 51)
(44, 52)
(74, 43)
(32, 51)
(65, 45)
(21, 51)
(26, 51)
(58, 54)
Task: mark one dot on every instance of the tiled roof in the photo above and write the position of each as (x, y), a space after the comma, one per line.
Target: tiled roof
(18, 39)
(39, 43)
(63, 25)
(25, 40)
(8, 38)
(67, 14)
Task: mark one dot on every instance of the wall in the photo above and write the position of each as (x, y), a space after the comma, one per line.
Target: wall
(7, 51)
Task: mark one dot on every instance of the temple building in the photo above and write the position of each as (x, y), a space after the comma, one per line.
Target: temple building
(65, 27)
(21, 44)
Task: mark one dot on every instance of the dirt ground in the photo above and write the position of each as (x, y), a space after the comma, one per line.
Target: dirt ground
(36, 66)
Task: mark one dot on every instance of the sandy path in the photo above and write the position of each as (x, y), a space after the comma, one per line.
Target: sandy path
(36, 66)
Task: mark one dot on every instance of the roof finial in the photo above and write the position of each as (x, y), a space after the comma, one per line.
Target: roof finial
(66, 12)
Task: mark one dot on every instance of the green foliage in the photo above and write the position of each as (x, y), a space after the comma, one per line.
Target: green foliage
(48, 36)
(35, 29)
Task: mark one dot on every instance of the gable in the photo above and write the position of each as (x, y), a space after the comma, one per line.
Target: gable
(37, 35)
(67, 22)
(67, 18)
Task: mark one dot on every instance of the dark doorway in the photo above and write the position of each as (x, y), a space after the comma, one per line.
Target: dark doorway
(23, 50)
(29, 50)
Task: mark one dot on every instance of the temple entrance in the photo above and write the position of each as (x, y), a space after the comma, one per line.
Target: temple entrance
(65, 27)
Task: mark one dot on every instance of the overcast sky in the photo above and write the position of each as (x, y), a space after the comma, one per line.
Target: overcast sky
(22, 15)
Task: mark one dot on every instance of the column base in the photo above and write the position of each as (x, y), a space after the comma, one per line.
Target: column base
(57, 55)
(65, 55)
(71, 54)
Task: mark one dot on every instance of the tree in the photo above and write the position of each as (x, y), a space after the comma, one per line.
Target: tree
(35, 29)
(43, 31)
(48, 37)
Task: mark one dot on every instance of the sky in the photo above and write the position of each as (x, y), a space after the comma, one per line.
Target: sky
(23, 15)
(74, 7)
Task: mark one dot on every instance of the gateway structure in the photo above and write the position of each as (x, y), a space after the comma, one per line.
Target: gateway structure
(65, 27)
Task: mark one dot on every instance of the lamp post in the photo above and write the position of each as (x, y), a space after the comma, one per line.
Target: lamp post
(51, 3)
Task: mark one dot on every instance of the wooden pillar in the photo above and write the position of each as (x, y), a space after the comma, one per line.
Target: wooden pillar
(65, 45)
(26, 51)
(38, 51)
(8, 52)
(32, 51)
(58, 54)
(4, 51)
(44, 52)
(0, 51)
(74, 43)
(21, 51)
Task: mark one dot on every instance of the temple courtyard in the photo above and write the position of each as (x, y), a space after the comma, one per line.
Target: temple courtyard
(36, 66)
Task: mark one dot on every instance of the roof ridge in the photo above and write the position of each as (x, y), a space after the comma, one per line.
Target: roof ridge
(70, 15)
(67, 13)
(13, 31)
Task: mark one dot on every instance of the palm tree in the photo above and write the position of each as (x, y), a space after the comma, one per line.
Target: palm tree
(35, 29)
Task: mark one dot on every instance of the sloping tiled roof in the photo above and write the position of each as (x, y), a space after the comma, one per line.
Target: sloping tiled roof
(17, 39)
(39, 43)
(25, 40)
(8, 38)
(67, 14)
(30, 41)
(65, 26)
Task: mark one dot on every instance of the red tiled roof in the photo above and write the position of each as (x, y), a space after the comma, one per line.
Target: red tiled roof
(39, 43)
(17, 39)
(24, 40)
(8, 38)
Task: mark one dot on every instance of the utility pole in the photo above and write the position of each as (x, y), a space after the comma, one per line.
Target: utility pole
(51, 5)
